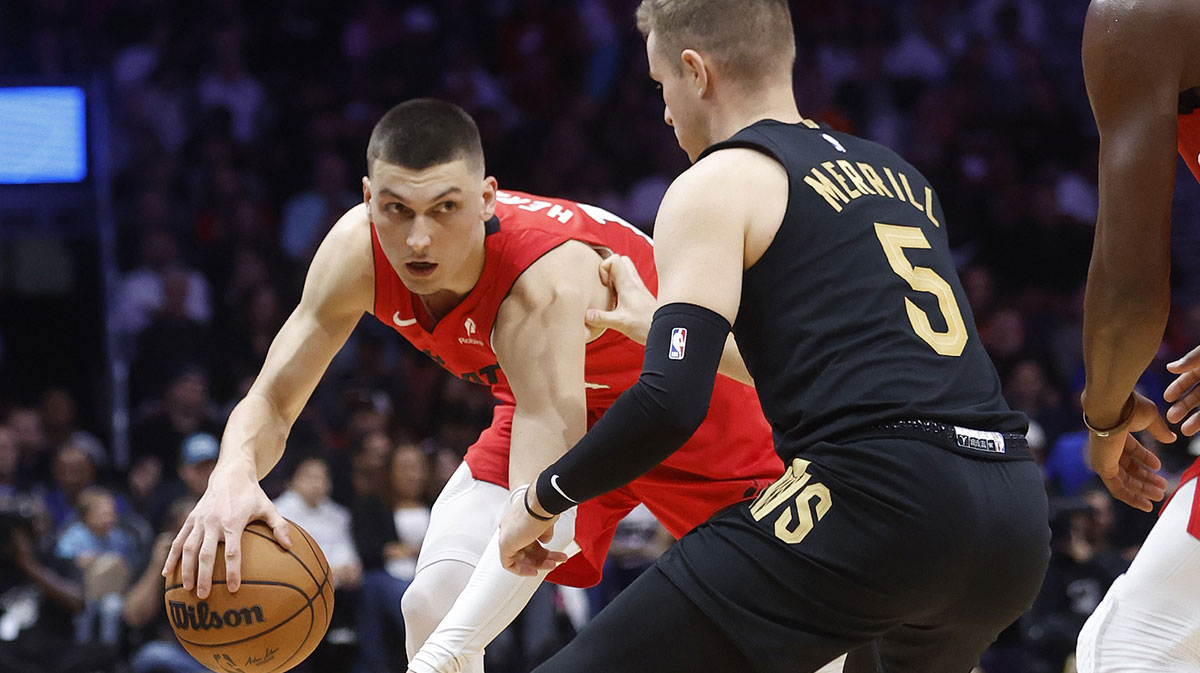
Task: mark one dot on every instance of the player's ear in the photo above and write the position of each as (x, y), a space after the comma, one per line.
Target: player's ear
(366, 185)
(489, 197)
(695, 68)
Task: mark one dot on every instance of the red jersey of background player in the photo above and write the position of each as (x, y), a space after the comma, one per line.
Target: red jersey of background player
(729, 458)
(1189, 133)
(1189, 149)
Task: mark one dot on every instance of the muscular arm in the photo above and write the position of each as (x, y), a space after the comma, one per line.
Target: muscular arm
(540, 341)
(1132, 71)
(702, 229)
(338, 290)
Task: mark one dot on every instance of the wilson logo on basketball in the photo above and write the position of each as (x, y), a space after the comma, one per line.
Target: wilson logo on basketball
(186, 617)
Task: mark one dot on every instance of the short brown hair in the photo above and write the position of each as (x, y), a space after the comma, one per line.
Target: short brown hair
(748, 38)
(423, 133)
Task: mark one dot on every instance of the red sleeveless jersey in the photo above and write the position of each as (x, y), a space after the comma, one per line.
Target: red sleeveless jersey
(1189, 140)
(729, 458)
(1189, 149)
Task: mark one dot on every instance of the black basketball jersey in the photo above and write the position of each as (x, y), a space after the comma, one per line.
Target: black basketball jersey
(854, 317)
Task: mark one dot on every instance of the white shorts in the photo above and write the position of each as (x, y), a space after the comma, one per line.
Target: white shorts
(1150, 619)
(464, 517)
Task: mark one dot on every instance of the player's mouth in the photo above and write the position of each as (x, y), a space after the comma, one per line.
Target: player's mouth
(421, 269)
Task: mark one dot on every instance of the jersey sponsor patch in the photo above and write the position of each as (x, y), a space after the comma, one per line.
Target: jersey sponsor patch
(678, 343)
(979, 440)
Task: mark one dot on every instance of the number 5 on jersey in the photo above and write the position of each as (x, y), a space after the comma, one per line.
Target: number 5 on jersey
(803, 501)
(895, 239)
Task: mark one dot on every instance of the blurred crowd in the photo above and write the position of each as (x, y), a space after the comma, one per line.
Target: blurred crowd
(238, 138)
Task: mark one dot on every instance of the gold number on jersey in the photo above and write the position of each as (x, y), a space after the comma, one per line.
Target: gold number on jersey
(803, 500)
(895, 240)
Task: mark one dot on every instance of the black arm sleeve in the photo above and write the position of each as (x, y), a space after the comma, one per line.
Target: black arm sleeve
(650, 420)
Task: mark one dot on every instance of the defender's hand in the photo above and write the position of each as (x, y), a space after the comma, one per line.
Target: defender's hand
(232, 500)
(1125, 466)
(521, 535)
(633, 304)
(1184, 393)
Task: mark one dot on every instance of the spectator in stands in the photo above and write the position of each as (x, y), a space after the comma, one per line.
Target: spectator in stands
(197, 458)
(185, 409)
(385, 572)
(59, 417)
(171, 336)
(1082, 567)
(156, 649)
(41, 596)
(308, 216)
(143, 291)
(229, 86)
(35, 454)
(10, 463)
(74, 471)
(307, 504)
(104, 555)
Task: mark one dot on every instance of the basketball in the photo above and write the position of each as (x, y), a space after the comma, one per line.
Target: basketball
(276, 618)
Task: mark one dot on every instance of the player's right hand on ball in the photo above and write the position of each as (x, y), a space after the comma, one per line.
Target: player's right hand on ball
(232, 500)
(1184, 394)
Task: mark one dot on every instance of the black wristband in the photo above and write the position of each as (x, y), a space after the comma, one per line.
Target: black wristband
(525, 501)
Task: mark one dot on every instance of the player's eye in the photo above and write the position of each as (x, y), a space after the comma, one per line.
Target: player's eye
(449, 207)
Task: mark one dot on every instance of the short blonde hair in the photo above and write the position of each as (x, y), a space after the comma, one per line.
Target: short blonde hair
(750, 39)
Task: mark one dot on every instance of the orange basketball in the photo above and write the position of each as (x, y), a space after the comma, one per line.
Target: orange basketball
(276, 618)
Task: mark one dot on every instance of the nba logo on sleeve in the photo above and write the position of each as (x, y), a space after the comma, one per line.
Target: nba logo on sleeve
(678, 343)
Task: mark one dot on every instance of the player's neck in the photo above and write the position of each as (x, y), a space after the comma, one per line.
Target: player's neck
(737, 110)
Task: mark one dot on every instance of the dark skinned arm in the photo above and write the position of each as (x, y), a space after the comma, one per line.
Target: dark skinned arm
(1132, 75)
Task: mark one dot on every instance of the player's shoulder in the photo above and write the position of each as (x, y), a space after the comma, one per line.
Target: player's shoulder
(568, 269)
(343, 269)
(1134, 23)
(351, 234)
(732, 181)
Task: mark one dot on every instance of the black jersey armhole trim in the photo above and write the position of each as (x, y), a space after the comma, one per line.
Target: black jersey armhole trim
(374, 267)
(738, 143)
(1189, 101)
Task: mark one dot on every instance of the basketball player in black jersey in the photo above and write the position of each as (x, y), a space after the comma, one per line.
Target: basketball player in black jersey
(910, 527)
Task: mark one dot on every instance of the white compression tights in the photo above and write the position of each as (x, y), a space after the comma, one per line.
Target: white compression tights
(461, 597)
(1150, 619)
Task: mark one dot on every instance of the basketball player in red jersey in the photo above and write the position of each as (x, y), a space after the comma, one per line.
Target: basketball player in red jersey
(1142, 67)
(494, 286)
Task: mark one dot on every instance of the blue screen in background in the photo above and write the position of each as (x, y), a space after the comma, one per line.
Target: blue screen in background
(43, 135)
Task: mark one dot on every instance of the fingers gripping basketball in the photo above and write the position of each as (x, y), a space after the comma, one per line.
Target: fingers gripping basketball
(274, 620)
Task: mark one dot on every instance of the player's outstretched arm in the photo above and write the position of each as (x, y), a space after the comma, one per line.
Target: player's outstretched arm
(633, 307)
(338, 290)
(702, 229)
(1132, 75)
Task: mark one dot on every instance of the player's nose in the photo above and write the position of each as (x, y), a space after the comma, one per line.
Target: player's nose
(667, 117)
(419, 236)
